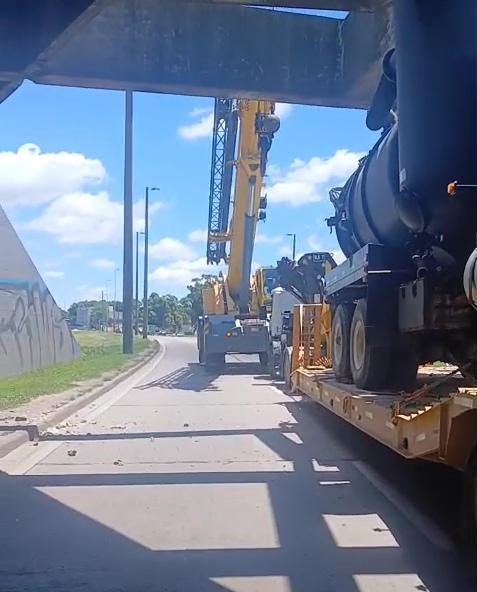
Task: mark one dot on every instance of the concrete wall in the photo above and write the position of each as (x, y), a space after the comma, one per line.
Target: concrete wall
(33, 331)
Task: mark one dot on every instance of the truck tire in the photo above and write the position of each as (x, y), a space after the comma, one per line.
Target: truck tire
(214, 361)
(340, 340)
(263, 357)
(403, 365)
(369, 364)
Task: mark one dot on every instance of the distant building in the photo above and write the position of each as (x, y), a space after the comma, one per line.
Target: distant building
(83, 316)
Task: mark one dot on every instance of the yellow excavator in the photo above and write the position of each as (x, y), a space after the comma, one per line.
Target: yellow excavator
(234, 316)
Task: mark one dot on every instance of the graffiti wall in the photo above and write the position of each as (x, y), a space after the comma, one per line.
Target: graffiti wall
(33, 331)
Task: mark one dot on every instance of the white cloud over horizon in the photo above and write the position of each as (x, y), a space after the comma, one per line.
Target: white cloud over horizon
(306, 182)
(171, 249)
(103, 263)
(30, 177)
(52, 274)
(198, 236)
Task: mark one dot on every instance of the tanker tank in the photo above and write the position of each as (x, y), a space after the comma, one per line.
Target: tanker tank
(397, 207)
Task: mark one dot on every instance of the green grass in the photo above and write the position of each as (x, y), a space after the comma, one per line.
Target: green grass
(100, 354)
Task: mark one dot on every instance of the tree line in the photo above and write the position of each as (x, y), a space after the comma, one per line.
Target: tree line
(165, 312)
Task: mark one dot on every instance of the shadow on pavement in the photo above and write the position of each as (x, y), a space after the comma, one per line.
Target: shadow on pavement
(47, 545)
(195, 377)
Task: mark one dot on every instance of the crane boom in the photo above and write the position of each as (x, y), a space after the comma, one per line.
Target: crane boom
(256, 127)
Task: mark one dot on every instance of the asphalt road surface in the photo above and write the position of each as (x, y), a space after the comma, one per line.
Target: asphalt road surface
(183, 481)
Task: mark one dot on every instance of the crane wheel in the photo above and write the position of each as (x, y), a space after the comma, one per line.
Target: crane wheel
(263, 357)
(214, 362)
(340, 340)
(369, 364)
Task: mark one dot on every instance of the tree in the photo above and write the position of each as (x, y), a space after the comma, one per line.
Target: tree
(194, 297)
(166, 312)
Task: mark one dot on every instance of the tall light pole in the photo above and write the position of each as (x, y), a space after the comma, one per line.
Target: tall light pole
(136, 316)
(292, 234)
(145, 320)
(114, 299)
(128, 227)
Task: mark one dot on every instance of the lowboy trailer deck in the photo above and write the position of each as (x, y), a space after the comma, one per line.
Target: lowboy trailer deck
(436, 422)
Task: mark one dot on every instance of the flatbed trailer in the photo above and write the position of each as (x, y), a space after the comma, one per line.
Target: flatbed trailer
(441, 428)
(436, 422)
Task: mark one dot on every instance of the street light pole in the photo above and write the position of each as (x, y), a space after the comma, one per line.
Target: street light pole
(128, 227)
(145, 320)
(292, 234)
(136, 316)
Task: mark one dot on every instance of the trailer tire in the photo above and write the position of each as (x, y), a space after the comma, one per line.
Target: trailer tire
(369, 364)
(340, 340)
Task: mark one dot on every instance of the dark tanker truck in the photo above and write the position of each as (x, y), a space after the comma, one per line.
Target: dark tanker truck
(407, 218)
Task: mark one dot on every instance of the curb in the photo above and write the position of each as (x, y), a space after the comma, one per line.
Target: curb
(31, 432)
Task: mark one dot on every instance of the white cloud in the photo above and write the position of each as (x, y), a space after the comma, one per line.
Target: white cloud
(283, 110)
(182, 272)
(103, 263)
(171, 249)
(309, 182)
(198, 111)
(202, 128)
(264, 239)
(285, 251)
(338, 256)
(87, 218)
(88, 292)
(316, 244)
(73, 255)
(29, 177)
(53, 274)
(197, 236)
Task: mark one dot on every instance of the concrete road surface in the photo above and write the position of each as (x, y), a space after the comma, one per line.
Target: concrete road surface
(188, 481)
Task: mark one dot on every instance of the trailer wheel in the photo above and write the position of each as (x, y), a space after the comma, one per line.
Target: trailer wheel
(369, 364)
(340, 339)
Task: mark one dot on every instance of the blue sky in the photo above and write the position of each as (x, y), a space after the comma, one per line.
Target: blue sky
(61, 175)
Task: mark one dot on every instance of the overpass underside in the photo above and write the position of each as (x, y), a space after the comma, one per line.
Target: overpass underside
(192, 47)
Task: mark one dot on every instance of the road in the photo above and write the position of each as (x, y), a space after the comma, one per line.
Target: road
(188, 481)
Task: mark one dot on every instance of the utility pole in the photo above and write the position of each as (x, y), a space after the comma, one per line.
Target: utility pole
(128, 227)
(136, 316)
(292, 234)
(145, 320)
(114, 300)
(102, 308)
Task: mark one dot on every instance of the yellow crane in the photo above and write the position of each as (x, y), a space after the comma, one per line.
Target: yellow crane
(231, 323)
